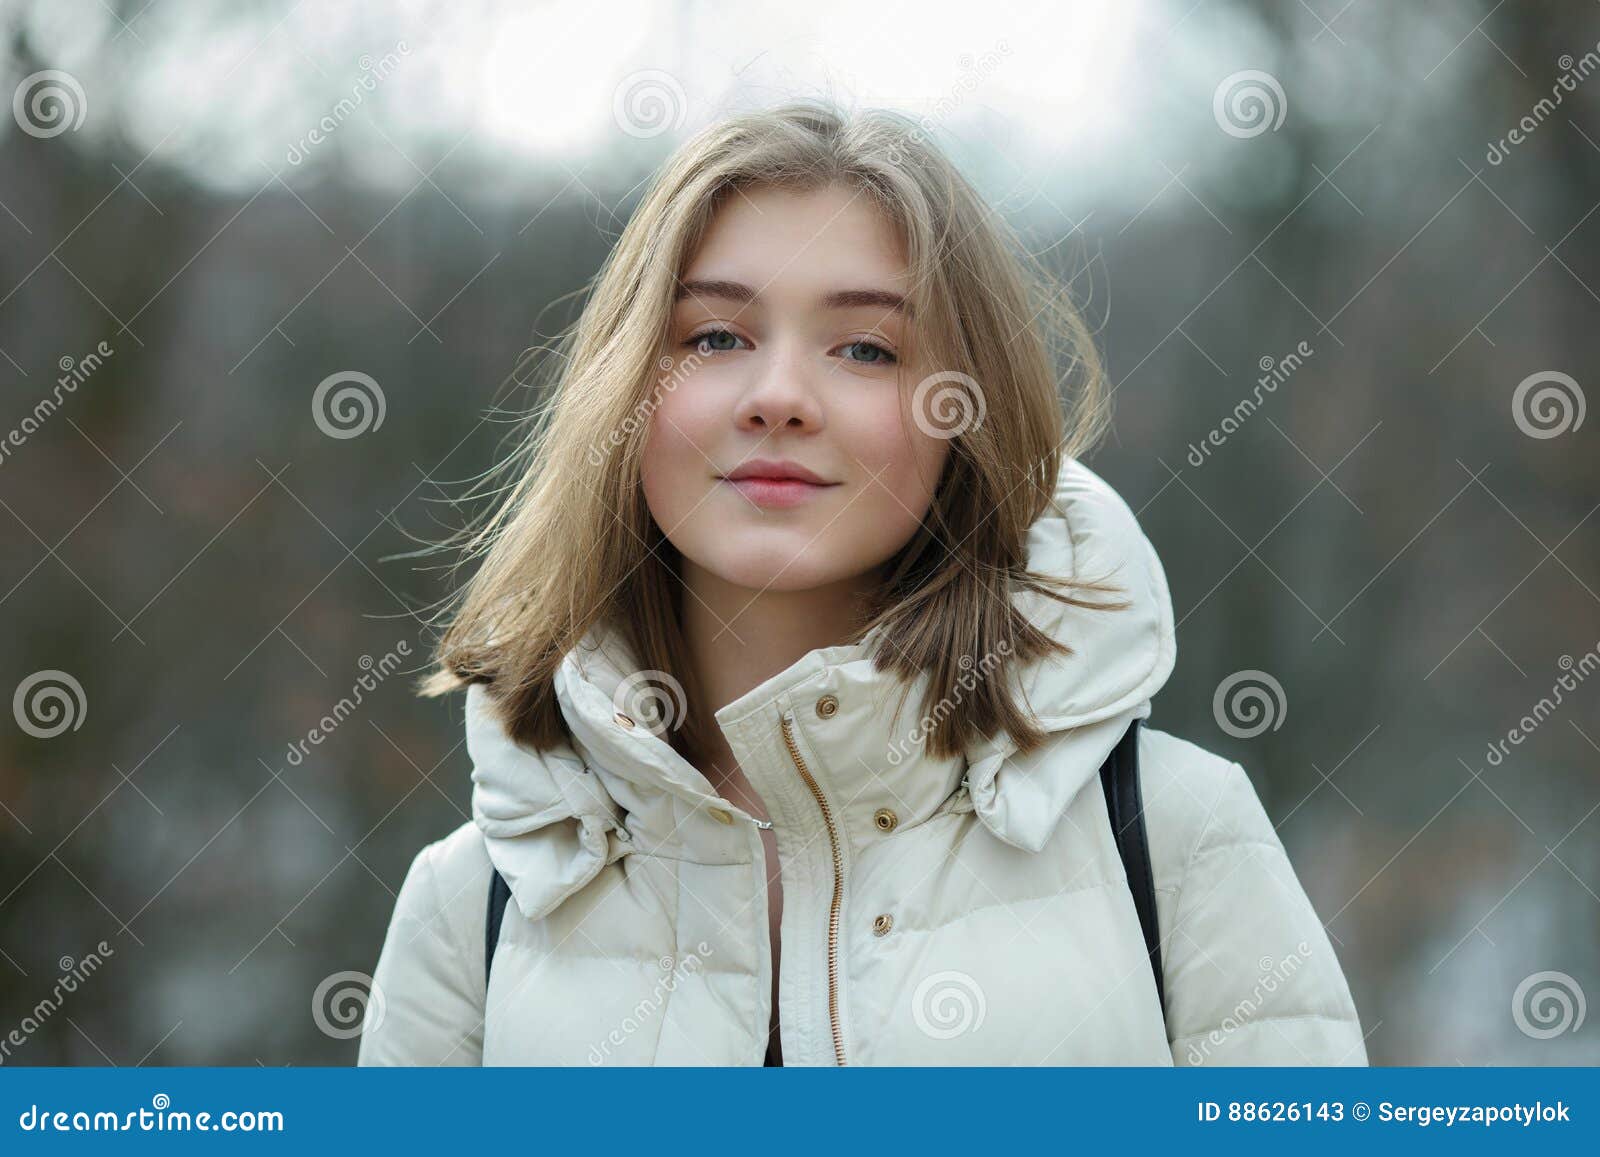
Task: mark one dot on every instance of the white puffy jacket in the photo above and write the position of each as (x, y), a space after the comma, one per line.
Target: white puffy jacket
(964, 911)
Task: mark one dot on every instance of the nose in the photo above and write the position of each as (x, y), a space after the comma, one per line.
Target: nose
(780, 397)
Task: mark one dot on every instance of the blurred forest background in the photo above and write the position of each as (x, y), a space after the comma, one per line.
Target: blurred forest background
(200, 562)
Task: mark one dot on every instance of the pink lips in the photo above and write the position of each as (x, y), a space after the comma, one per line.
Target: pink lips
(776, 484)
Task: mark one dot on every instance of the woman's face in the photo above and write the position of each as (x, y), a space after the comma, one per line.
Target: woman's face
(786, 337)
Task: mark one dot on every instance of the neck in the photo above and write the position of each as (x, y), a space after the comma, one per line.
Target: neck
(738, 637)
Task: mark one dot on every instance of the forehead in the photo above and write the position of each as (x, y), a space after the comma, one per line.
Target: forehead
(769, 236)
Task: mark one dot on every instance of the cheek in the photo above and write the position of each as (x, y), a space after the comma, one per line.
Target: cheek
(674, 454)
(909, 460)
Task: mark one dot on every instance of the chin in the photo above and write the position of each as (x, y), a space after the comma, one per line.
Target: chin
(774, 569)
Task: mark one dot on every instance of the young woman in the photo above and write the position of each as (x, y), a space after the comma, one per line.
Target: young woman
(794, 654)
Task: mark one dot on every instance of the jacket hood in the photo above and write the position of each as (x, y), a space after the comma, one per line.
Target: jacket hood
(552, 819)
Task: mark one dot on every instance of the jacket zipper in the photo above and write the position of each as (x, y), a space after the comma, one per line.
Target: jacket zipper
(836, 906)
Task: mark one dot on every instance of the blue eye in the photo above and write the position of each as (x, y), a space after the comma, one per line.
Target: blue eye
(882, 357)
(710, 341)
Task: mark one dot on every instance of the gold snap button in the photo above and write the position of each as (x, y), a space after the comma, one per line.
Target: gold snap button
(827, 706)
(885, 819)
(882, 924)
(623, 721)
(721, 816)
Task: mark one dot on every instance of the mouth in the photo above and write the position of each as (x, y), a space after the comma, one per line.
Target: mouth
(776, 485)
(777, 492)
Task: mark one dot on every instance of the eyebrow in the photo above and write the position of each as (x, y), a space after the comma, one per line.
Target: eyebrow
(838, 299)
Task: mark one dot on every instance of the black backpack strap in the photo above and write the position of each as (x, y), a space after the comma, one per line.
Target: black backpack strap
(499, 893)
(1119, 777)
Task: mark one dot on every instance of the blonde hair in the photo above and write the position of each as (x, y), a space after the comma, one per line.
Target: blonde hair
(572, 544)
